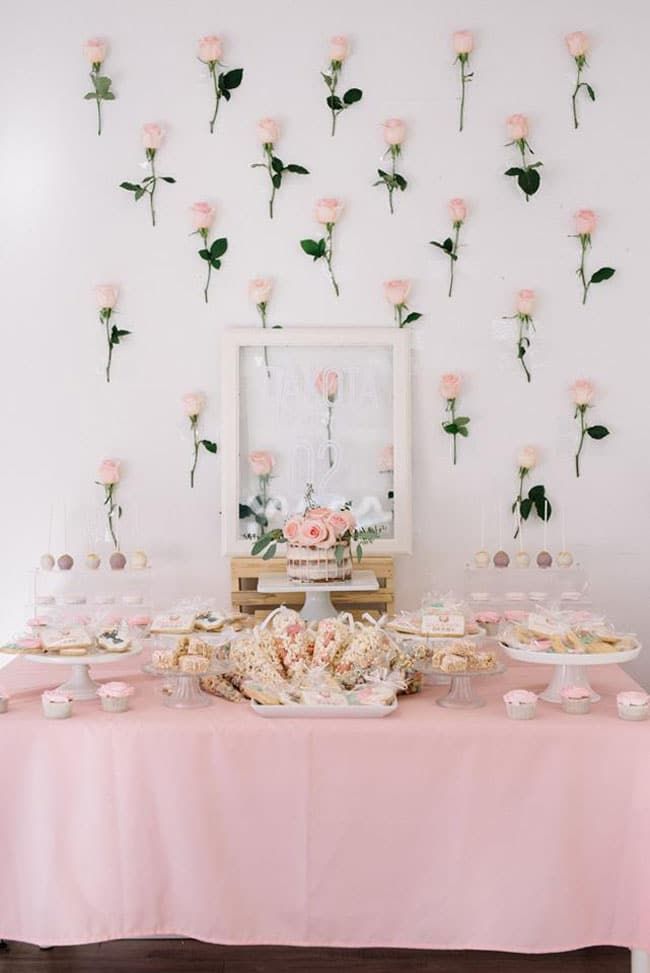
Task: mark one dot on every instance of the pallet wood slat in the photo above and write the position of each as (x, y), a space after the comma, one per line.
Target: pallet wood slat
(245, 571)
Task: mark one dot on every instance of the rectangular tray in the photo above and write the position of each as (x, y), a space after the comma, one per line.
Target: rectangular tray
(296, 711)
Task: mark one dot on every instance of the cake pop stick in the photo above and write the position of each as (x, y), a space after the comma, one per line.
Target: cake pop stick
(501, 559)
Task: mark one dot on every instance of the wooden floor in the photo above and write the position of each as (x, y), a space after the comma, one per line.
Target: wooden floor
(188, 956)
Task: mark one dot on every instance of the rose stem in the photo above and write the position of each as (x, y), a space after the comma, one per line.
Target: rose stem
(262, 309)
(328, 257)
(110, 349)
(194, 421)
(451, 259)
(582, 438)
(217, 96)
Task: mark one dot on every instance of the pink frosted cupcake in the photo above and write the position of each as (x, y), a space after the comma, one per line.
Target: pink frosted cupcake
(56, 705)
(115, 696)
(489, 621)
(515, 615)
(140, 626)
(4, 700)
(521, 704)
(575, 700)
(633, 705)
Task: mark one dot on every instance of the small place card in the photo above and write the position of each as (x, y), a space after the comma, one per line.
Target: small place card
(443, 623)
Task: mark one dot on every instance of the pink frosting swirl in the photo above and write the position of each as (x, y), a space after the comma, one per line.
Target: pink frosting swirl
(54, 696)
(115, 689)
(575, 692)
(520, 696)
(631, 698)
(490, 618)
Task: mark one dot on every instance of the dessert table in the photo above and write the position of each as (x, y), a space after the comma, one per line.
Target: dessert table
(432, 828)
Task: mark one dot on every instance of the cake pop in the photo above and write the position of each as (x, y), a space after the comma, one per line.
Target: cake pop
(544, 559)
(139, 560)
(501, 559)
(565, 559)
(522, 559)
(65, 562)
(482, 559)
(47, 562)
(93, 561)
(117, 561)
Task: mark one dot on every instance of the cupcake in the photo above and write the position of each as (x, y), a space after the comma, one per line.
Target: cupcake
(520, 704)
(4, 700)
(114, 696)
(575, 700)
(140, 626)
(515, 615)
(56, 705)
(633, 705)
(489, 621)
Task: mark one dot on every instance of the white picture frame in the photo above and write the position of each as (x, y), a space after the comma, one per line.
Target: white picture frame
(397, 341)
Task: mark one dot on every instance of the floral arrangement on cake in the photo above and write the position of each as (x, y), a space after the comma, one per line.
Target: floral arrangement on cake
(319, 542)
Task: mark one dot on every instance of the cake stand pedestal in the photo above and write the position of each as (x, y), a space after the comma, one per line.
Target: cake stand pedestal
(80, 685)
(460, 695)
(569, 669)
(318, 603)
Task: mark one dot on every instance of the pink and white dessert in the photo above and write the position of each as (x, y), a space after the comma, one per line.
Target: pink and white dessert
(29, 643)
(56, 705)
(489, 621)
(114, 696)
(521, 704)
(140, 625)
(633, 705)
(576, 700)
(318, 545)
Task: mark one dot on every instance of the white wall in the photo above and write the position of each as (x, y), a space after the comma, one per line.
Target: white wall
(66, 226)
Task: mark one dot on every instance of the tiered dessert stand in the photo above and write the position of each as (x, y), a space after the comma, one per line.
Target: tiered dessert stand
(80, 685)
(318, 603)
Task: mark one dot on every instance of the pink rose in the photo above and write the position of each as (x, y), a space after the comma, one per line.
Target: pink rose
(152, 135)
(525, 302)
(261, 462)
(193, 403)
(450, 385)
(396, 291)
(313, 532)
(268, 131)
(339, 48)
(527, 458)
(106, 296)
(386, 460)
(463, 42)
(327, 384)
(109, 472)
(586, 221)
(328, 210)
(210, 49)
(341, 522)
(517, 127)
(95, 50)
(578, 43)
(202, 215)
(457, 210)
(292, 528)
(394, 131)
(582, 391)
(259, 289)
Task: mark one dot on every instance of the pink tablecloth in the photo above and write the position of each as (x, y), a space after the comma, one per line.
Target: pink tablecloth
(430, 828)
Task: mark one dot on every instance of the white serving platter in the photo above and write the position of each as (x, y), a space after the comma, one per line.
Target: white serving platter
(297, 711)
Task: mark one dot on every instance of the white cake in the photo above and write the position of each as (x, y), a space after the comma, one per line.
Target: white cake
(313, 564)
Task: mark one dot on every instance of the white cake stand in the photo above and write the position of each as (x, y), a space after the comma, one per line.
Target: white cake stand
(80, 686)
(460, 695)
(570, 669)
(318, 603)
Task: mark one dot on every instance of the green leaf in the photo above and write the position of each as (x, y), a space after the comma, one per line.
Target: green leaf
(91, 96)
(261, 543)
(312, 248)
(204, 254)
(224, 92)
(102, 86)
(139, 193)
(109, 96)
(276, 179)
(218, 247)
(210, 446)
(269, 552)
(339, 551)
(537, 492)
(352, 95)
(122, 333)
(359, 552)
(276, 164)
(245, 511)
(603, 274)
(525, 508)
(231, 79)
(598, 432)
(463, 431)
(167, 179)
(298, 169)
(448, 244)
(515, 171)
(462, 420)
(592, 93)
(131, 187)
(451, 428)
(413, 316)
(334, 102)
(529, 180)
(400, 181)
(215, 263)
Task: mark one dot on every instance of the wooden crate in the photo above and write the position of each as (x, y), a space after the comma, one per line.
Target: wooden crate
(245, 571)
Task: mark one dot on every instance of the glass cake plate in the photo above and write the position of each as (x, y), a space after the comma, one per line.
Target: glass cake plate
(461, 695)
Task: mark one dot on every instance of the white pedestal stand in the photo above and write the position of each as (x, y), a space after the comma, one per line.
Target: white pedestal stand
(640, 961)
(80, 685)
(318, 603)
